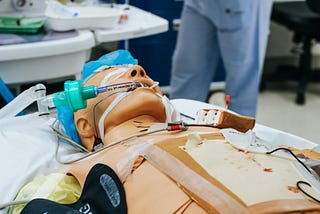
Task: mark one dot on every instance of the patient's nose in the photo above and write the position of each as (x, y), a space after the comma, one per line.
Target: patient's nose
(136, 72)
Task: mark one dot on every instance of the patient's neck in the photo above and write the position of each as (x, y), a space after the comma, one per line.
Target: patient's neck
(128, 128)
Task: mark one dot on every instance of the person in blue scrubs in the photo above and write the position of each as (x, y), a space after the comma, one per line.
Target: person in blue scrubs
(235, 31)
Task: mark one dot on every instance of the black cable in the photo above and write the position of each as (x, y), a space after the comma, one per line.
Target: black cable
(307, 194)
(288, 150)
(187, 116)
(298, 184)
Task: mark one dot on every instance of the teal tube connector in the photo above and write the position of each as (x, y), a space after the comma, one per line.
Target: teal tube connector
(75, 95)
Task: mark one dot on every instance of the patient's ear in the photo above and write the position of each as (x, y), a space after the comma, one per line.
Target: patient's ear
(86, 132)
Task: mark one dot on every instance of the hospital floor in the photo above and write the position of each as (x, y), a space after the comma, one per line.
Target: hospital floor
(277, 109)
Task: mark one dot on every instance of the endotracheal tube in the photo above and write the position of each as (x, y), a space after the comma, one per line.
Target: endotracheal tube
(123, 85)
(75, 95)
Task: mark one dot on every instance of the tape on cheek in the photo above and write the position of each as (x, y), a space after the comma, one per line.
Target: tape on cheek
(107, 111)
(119, 72)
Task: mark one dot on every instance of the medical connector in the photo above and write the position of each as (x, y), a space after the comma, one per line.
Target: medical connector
(177, 126)
(75, 95)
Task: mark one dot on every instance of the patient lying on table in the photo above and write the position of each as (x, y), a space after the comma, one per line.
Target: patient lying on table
(169, 167)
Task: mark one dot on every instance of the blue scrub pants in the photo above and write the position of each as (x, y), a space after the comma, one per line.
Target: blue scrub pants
(235, 30)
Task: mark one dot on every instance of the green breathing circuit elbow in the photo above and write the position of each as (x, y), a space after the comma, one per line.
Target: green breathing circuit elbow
(75, 95)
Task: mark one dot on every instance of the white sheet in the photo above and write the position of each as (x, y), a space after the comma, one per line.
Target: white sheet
(28, 148)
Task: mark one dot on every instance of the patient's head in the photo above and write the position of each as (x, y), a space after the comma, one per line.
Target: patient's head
(116, 114)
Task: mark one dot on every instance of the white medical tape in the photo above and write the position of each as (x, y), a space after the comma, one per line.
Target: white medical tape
(136, 148)
(200, 117)
(120, 71)
(205, 116)
(95, 71)
(172, 115)
(213, 116)
(107, 111)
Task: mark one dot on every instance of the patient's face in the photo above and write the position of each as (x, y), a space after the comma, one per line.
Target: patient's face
(118, 106)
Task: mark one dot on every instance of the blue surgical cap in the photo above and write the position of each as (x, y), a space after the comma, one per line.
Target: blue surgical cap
(119, 57)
